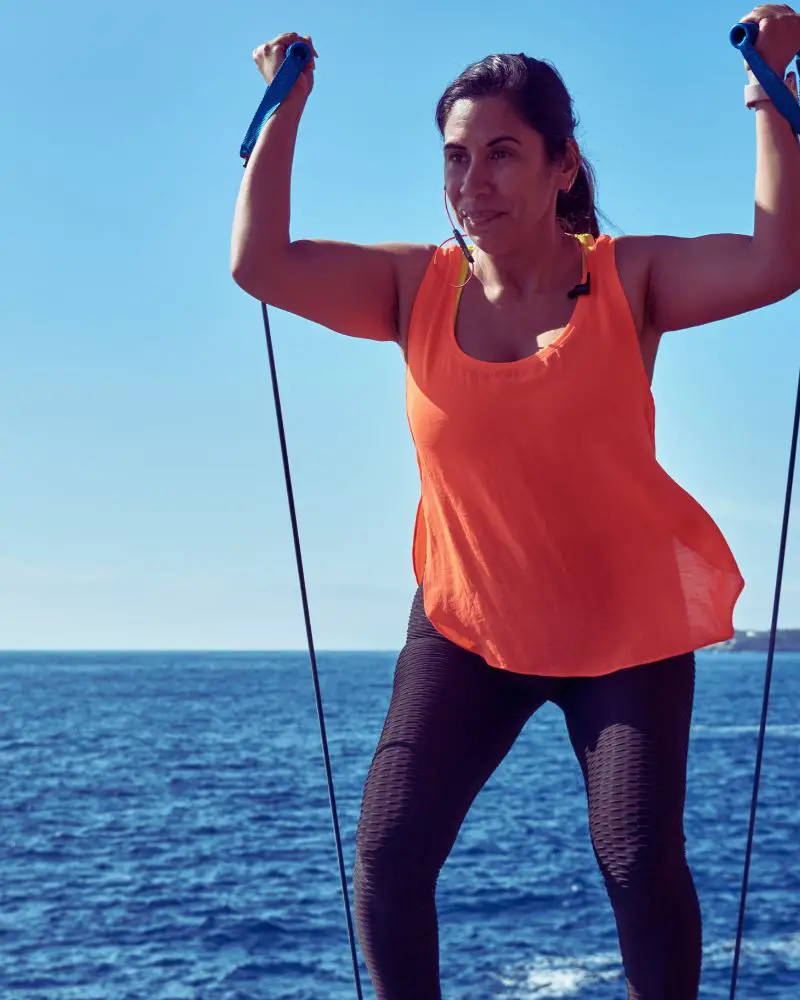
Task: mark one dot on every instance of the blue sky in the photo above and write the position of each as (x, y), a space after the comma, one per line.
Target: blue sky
(142, 501)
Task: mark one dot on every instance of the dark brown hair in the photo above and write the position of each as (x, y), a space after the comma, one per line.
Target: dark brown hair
(537, 93)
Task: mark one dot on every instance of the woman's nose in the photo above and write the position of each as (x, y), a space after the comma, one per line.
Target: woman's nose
(475, 180)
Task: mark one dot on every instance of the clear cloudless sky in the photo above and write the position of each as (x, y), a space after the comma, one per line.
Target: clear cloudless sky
(142, 501)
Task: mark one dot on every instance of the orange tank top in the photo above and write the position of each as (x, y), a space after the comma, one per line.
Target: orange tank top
(548, 538)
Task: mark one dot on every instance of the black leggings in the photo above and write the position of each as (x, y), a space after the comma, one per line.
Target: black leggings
(451, 721)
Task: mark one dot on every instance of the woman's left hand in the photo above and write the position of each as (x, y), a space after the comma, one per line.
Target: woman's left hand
(778, 39)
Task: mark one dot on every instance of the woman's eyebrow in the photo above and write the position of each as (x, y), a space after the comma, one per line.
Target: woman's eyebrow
(493, 142)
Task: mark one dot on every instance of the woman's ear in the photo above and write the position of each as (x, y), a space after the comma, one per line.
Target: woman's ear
(572, 164)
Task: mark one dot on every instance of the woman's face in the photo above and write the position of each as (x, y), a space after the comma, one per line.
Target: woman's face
(497, 174)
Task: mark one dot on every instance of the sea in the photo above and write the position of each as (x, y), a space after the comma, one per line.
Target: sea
(165, 834)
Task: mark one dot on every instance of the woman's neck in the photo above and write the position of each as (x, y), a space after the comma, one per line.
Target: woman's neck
(544, 265)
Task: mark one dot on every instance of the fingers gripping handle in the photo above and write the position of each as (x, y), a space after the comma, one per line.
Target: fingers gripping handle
(743, 37)
(297, 55)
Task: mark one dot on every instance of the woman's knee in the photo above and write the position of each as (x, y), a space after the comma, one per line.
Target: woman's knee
(644, 871)
(398, 848)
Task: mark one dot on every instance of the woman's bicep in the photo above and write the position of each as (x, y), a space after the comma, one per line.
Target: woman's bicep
(699, 280)
(349, 288)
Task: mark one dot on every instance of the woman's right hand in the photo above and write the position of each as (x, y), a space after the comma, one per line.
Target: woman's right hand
(269, 57)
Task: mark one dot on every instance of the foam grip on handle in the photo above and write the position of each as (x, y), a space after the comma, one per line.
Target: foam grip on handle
(299, 51)
(744, 32)
(297, 55)
(743, 37)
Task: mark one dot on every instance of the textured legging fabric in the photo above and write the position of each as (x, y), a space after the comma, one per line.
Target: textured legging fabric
(451, 721)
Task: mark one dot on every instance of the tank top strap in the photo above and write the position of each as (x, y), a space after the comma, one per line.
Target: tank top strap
(608, 292)
(436, 300)
(586, 242)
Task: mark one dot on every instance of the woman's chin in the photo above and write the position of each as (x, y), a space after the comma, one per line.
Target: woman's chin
(487, 243)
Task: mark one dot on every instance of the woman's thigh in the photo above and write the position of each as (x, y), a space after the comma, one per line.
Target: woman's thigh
(451, 720)
(630, 732)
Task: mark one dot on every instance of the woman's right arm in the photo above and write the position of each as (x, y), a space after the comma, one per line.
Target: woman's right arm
(351, 289)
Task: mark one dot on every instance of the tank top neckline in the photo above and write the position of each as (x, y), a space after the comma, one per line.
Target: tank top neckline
(530, 359)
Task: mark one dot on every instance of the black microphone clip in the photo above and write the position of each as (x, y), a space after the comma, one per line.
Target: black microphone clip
(581, 289)
(464, 248)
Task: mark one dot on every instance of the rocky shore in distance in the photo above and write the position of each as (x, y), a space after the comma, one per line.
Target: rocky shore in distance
(787, 640)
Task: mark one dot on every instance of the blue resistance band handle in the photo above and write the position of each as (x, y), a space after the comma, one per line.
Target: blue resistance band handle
(297, 55)
(743, 37)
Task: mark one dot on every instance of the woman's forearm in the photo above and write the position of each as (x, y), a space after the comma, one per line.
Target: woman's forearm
(261, 218)
(776, 228)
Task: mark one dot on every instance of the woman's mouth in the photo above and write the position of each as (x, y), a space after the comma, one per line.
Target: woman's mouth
(477, 220)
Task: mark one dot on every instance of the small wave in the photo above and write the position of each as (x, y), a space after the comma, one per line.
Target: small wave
(252, 934)
(787, 729)
(553, 977)
(782, 950)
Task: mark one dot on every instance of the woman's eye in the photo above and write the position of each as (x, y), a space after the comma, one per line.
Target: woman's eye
(496, 154)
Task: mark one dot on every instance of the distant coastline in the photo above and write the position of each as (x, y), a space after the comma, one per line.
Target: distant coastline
(787, 640)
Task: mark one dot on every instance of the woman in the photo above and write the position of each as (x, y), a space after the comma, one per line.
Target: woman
(556, 560)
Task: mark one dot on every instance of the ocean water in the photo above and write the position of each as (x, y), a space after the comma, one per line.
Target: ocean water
(165, 833)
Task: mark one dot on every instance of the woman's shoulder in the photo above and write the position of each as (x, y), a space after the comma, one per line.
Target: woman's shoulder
(412, 259)
(630, 251)
(631, 259)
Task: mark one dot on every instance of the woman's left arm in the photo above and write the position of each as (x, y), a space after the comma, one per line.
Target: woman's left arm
(708, 278)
